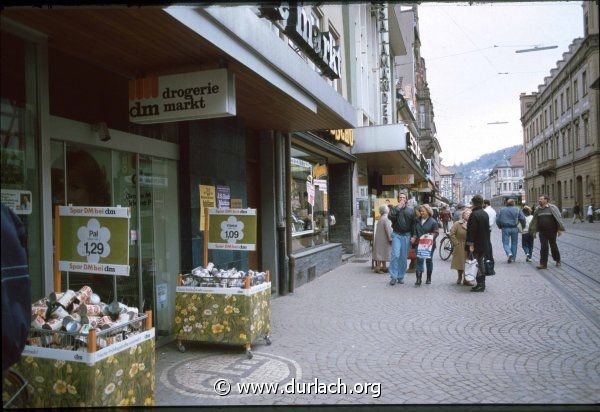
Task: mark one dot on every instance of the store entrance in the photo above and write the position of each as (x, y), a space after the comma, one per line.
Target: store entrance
(92, 176)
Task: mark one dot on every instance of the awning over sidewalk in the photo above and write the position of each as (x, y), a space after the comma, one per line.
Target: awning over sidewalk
(389, 150)
(139, 42)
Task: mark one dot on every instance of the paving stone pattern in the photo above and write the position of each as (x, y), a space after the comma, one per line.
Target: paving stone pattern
(521, 341)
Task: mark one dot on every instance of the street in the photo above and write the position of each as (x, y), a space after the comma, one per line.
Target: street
(532, 337)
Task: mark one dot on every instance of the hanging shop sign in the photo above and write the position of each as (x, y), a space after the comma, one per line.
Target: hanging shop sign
(317, 45)
(392, 180)
(384, 63)
(94, 240)
(343, 135)
(232, 229)
(207, 200)
(19, 201)
(186, 96)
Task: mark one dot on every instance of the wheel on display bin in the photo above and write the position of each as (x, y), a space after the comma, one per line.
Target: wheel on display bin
(268, 340)
(180, 346)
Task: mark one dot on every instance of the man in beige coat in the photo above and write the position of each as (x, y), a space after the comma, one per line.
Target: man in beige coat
(382, 244)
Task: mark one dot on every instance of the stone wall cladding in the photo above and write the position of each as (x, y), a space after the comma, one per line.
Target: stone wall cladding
(322, 260)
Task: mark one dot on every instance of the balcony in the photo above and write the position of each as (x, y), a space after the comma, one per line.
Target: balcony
(547, 168)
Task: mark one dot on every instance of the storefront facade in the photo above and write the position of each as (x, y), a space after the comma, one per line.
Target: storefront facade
(70, 137)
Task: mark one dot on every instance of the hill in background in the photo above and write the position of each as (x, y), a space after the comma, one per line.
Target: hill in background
(475, 171)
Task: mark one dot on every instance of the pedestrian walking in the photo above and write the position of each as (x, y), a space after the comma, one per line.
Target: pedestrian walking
(487, 207)
(425, 224)
(547, 221)
(458, 237)
(508, 219)
(382, 244)
(403, 221)
(590, 213)
(577, 215)
(478, 234)
(446, 217)
(526, 238)
(457, 215)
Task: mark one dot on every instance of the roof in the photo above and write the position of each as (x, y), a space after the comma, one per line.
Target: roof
(502, 163)
(446, 171)
(518, 159)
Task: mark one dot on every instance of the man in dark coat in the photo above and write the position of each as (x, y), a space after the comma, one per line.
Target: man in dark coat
(478, 238)
(16, 289)
(402, 217)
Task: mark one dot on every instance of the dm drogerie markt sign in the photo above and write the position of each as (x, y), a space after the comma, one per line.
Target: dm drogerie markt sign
(186, 96)
(232, 229)
(94, 240)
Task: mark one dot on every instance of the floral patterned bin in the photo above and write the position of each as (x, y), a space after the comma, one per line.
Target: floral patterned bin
(232, 316)
(122, 374)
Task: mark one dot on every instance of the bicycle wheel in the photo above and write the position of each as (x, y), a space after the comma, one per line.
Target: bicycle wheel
(445, 248)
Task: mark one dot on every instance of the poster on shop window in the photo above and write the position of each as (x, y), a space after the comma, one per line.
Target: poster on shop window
(232, 229)
(94, 240)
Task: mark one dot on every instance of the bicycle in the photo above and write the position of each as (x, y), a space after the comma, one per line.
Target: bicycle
(446, 247)
(14, 382)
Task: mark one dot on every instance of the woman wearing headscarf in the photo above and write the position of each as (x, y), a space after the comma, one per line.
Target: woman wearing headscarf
(458, 237)
(382, 245)
(425, 224)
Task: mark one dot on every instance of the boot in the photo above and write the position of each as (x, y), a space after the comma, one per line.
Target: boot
(418, 282)
(460, 275)
(428, 281)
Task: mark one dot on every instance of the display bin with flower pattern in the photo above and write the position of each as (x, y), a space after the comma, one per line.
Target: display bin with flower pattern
(90, 370)
(230, 315)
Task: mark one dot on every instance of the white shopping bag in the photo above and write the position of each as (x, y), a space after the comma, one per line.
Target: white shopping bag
(425, 246)
(470, 269)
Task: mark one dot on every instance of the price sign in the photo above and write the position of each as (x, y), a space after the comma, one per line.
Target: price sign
(232, 229)
(94, 240)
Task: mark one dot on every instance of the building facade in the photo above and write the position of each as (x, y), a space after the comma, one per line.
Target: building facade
(505, 181)
(75, 133)
(560, 125)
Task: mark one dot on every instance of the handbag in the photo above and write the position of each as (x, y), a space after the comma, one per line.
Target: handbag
(425, 246)
(488, 267)
(470, 268)
(412, 253)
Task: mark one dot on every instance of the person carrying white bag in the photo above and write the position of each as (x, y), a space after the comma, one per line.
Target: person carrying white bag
(425, 232)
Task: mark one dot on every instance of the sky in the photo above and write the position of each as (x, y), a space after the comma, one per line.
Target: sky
(465, 47)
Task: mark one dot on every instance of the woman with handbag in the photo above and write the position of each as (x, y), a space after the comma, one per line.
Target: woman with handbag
(426, 227)
(382, 244)
(458, 237)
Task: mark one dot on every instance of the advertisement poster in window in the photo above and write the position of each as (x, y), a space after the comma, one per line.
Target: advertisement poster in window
(223, 197)
(207, 200)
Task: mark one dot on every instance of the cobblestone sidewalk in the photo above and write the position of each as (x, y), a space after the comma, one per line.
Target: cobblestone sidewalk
(519, 342)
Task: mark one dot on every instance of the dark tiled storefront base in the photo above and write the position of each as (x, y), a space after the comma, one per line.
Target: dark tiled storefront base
(316, 261)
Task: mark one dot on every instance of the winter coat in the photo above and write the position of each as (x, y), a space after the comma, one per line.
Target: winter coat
(430, 226)
(458, 237)
(510, 217)
(555, 213)
(16, 289)
(382, 248)
(403, 219)
(478, 231)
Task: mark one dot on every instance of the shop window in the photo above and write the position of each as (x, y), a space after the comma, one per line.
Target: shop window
(19, 170)
(309, 198)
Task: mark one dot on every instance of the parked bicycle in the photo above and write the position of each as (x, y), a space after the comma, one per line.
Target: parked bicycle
(446, 247)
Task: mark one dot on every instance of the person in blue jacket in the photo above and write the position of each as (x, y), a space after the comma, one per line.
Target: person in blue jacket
(16, 289)
(507, 220)
(425, 224)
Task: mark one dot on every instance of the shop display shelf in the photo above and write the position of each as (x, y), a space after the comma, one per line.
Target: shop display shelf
(223, 315)
(100, 368)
